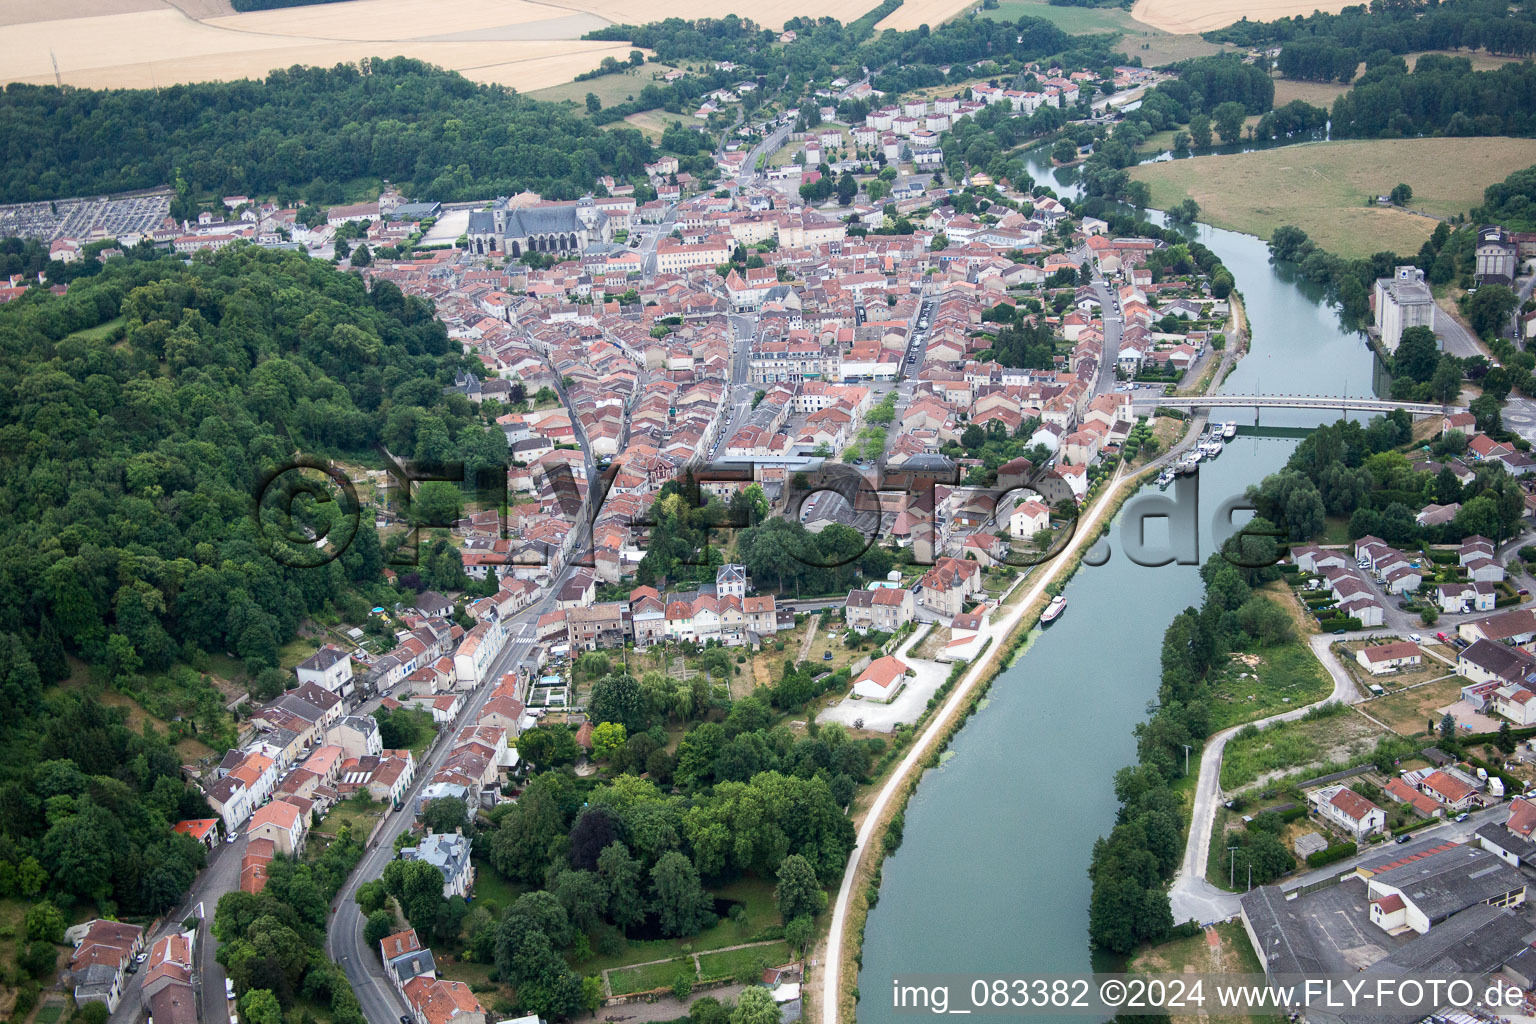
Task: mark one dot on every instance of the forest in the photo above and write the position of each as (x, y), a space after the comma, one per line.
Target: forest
(1397, 28)
(141, 410)
(307, 132)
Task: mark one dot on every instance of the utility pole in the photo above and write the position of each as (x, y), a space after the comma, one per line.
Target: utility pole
(1250, 876)
(57, 78)
(1186, 757)
(1231, 868)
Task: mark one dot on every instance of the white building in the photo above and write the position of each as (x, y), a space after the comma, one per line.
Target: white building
(1402, 301)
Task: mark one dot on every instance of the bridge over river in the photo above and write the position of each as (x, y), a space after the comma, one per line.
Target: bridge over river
(1342, 403)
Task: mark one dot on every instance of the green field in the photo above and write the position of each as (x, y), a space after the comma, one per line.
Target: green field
(611, 89)
(726, 964)
(1286, 676)
(1322, 187)
(651, 976)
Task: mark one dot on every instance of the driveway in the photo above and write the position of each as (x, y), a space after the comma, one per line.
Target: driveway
(908, 705)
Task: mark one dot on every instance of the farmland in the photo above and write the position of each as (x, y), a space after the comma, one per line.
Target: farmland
(1191, 16)
(520, 43)
(1322, 188)
(1152, 45)
(913, 13)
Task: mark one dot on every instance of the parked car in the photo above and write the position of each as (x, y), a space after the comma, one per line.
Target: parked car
(1462, 816)
(1416, 638)
(1402, 839)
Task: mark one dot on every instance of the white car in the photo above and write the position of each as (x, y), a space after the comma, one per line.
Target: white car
(1416, 638)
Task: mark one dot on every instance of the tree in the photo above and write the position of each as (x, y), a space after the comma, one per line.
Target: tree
(606, 738)
(1200, 131)
(45, 923)
(1401, 195)
(1186, 211)
(799, 933)
(682, 905)
(583, 896)
(1505, 741)
(755, 1005)
(593, 103)
(618, 699)
(362, 256)
(91, 1013)
(260, 1006)
(418, 887)
(445, 814)
(621, 876)
(380, 925)
(798, 893)
(1489, 308)
(1448, 726)
(1065, 151)
(1228, 118)
(1417, 356)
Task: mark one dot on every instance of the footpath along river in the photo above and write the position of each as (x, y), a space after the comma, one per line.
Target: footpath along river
(992, 875)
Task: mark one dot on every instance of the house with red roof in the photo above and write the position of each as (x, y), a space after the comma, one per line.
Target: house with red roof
(204, 830)
(882, 680)
(1348, 810)
(1449, 790)
(283, 823)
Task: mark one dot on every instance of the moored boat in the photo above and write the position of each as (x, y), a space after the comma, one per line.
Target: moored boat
(1053, 610)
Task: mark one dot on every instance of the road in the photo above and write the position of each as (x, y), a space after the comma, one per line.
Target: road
(1114, 325)
(344, 943)
(220, 876)
(1455, 338)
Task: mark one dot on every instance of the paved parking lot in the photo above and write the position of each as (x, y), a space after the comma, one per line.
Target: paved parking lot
(1339, 921)
(909, 703)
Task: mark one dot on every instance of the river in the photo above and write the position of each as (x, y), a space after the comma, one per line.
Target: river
(992, 876)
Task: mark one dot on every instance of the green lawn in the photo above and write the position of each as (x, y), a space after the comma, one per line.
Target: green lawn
(97, 333)
(610, 89)
(651, 976)
(491, 890)
(1285, 676)
(295, 651)
(726, 964)
(756, 896)
(361, 815)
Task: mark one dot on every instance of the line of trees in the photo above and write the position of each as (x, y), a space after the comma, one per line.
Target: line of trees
(304, 131)
(1131, 867)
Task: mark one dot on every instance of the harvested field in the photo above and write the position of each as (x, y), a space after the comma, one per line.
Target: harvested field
(1319, 94)
(150, 48)
(1322, 187)
(520, 43)
(1194, 16)
(932, 13)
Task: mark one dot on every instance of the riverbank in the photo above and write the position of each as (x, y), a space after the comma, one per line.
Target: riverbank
(838, 992)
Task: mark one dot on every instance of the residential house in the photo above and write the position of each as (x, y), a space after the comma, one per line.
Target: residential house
(450, 854)
(882, 680)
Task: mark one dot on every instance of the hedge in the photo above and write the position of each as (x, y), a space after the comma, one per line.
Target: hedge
(1328, 855)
